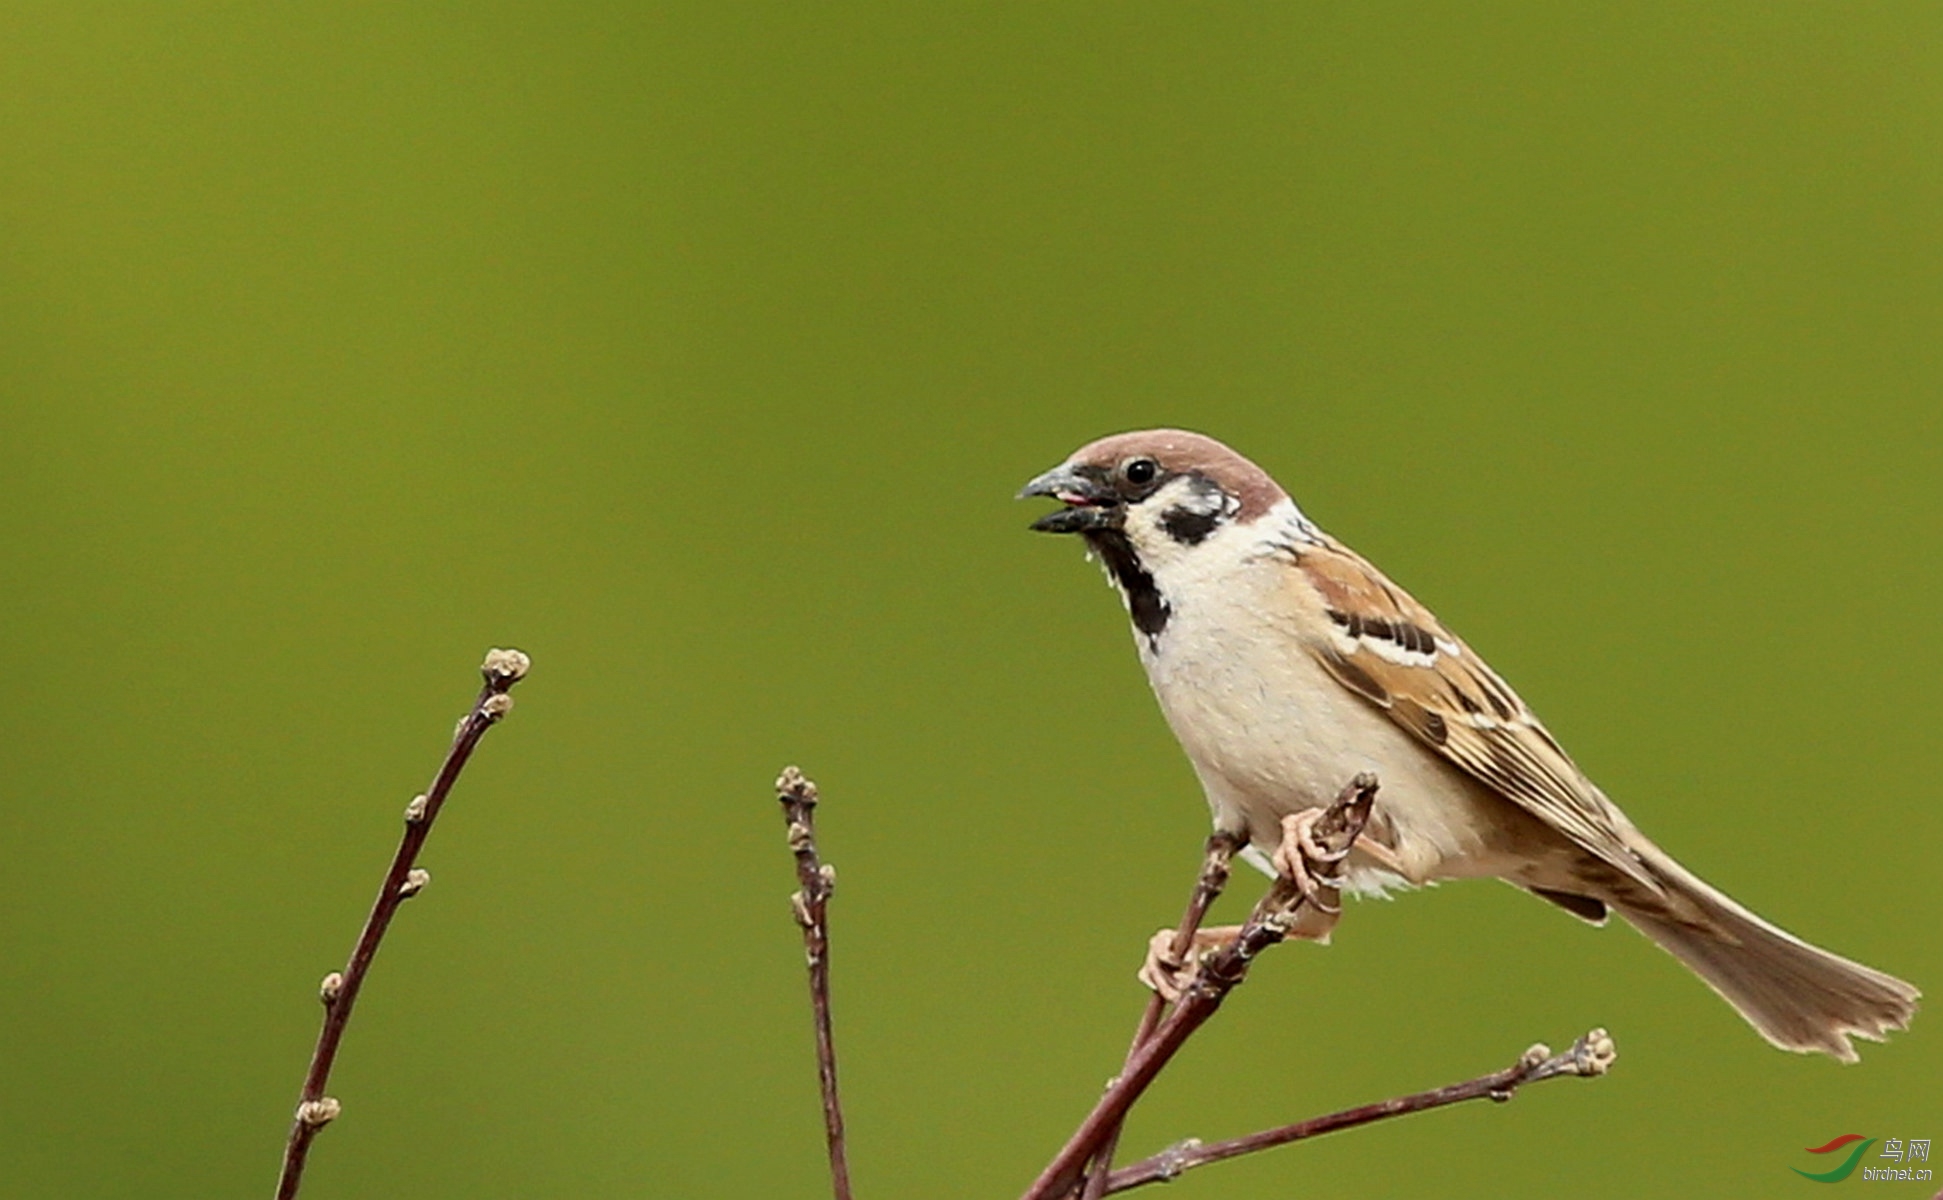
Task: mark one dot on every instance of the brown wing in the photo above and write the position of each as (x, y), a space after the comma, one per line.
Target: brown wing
(1392, 651)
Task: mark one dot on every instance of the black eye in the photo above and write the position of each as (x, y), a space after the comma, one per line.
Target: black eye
(1141, 471)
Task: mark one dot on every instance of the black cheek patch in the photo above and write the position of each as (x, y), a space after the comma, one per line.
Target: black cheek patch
(1188, 527)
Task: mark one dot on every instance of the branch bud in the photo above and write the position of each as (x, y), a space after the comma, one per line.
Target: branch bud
(792, 785)
(415, 811)
(509, 665)
(496, 706)
(1174, 1159)
(415, 881)
(1594, 1053)
(332, 987)
(318, 1112)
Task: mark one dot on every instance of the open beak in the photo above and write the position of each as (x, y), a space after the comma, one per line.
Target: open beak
(1090, 503)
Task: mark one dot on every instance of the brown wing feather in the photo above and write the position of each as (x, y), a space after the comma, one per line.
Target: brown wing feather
(1392, 651)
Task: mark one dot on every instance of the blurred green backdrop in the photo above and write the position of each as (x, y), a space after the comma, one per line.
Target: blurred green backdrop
(698, 349)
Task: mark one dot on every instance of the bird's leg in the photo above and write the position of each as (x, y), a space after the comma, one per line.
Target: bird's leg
(1382, 855)
(1168, 971)
(1300, 859)
(1171, 952)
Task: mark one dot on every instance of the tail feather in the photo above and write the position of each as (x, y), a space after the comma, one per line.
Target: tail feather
(1797, 996)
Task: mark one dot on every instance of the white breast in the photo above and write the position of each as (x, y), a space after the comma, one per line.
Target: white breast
(1270, 732)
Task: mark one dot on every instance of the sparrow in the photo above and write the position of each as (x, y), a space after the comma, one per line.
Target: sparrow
(1286, 664)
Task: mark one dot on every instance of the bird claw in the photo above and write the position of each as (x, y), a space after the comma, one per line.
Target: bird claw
(1164, 973)
(1168, 974)
(1301, 860)
(1299, 856)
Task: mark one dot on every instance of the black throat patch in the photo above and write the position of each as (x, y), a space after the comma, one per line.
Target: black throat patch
(1144, 602)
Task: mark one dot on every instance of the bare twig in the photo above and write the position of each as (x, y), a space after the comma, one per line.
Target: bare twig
(817, 882)
(339, 991)
(1592, 1054)
(1208, 886)
(1219, 973)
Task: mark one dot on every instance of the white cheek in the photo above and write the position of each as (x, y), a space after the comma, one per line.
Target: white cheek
(1188, 576)
(1159, 552)
(1202, 501)
(1155, 545)
(1180, 569)
(1142, 528)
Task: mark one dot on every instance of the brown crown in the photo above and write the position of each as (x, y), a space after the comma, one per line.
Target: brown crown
(1178, 450)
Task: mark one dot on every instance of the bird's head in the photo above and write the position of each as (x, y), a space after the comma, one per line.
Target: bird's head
(1158, 491)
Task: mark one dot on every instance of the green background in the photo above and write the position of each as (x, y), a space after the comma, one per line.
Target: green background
(698, 351)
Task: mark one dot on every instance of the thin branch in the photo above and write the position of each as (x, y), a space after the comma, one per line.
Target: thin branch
(1220, 972)
(817, 882)
(1591, 1055)
(1208, 886)
(339, 991)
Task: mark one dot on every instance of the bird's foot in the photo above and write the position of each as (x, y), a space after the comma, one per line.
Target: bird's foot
(1301, 860)
(1169, 974)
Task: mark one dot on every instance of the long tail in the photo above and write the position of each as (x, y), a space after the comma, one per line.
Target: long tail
(1798, 996)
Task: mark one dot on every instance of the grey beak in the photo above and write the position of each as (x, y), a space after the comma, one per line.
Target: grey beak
(1061, 480)
(1090, 504)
